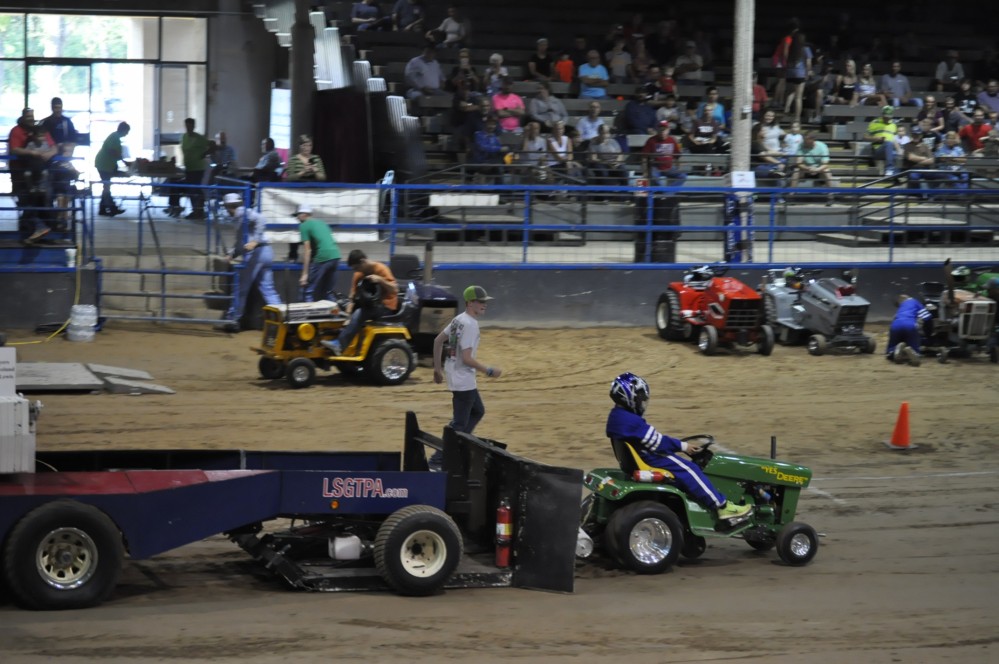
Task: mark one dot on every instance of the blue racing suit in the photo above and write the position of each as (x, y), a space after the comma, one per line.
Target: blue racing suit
(905, 326)
(660, 451)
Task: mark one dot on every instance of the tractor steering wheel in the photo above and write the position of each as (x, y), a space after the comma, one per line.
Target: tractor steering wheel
(704, 441)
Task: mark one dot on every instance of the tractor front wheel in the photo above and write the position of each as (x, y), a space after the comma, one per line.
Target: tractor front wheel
(301, 372)
(645, 536)
(870, 345)
(708, 341)
(817, 344)
(797, 543)
(765, 344)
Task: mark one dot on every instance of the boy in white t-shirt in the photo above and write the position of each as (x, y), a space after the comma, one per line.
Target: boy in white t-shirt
(462, 336)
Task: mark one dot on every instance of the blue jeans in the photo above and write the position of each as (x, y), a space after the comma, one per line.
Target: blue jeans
(663, 177)
(886, 151)
(321, 279)
(468, 410)
(357, 319)
(256, 273)
(904, 332)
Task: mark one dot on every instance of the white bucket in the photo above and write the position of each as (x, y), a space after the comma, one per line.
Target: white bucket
(82, 320)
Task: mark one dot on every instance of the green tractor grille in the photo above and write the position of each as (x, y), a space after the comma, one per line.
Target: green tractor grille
(744, 313)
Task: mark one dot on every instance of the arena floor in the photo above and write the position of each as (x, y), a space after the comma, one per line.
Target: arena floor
(906, 572)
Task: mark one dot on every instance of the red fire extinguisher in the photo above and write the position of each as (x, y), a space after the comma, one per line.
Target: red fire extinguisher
(504, 533)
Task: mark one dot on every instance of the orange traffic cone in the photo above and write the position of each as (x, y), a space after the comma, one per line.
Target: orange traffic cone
(900, 436)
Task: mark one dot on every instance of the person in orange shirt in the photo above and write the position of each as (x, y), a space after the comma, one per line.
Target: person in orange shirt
(373, 294)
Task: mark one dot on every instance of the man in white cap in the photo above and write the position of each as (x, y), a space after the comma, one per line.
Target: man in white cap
(257, 255)
(322, 256)
(462, 336)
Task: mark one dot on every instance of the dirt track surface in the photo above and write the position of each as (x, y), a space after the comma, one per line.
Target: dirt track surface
(907, 570)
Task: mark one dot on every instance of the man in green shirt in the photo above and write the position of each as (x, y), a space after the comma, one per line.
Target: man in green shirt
(194, 147)
(322, 255)
(882, 132)
(106, 163)
(812, 161)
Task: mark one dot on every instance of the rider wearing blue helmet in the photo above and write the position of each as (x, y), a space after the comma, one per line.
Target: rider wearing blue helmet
(630, 394)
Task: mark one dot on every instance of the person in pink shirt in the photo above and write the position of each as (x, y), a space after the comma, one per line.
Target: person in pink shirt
(509, 107)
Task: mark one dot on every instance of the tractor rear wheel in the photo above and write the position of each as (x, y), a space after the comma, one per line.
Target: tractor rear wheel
(669, 322)
(63, 555)
(270, 368)
(797, 543)
(708, 341)
(301, 372)
(391, 362)
(417, 549)
(817, 344)
(645, 536)
(770, 308)
(765, 344)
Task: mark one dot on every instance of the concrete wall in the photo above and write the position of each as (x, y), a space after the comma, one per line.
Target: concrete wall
(31, 299)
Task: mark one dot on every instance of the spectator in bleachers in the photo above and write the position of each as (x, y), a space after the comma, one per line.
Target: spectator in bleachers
(951, 157)
(593, 77)
(689, 65)
(451, 32)
(705, 137)
(767, 164)
(760, 97)
(793, 140)
(949, 73)
(989, 97)
(797, 70)
(618, 61)
(772, 133)
(639, 114)
(560, 156)
(846, 93)
(223, 162)
(589, 124)
(953, 118)
(423, 74)
(881, 132)
(688, 118)
(925, 132)
(269, 163)
(475, 120)
(541, 66)
(564, 70)
(545, 108)
(780, 60)
(990, 147)
(29, 149)
(711, 97)
(464, 106)
(641, 62)
(972, 134)
(659, 82)
(534, 149)
(812, 161)
(61, 129)
(660, 155)
(509, 108)
(488, 151)
(367, 15)
(494, 74)
(669, 112)
(895, 87)
(605, 160)
(918, 156)
(930, 111)
(867, 88)
(464, 75)
(407, 16)
(305, 165)
(966, 98)
(580, 52)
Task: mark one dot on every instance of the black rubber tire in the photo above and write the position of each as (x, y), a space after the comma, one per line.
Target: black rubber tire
(408, 532)
(390, 362)
(89, 540)
(694, 546)
(870, 345)
(707, 342)
(668, 321)
(817, 344)
(270, 368)
(624, 522)
(791, 538)
(770, 309)
(761, 545)
(301, 372)
(765, 344)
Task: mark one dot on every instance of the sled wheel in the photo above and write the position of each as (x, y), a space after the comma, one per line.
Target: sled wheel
(647, 537)
(817, 344)
(669, 322)
(797, 543)
(63, 555)
(301, 372)
(270, 368)
(391, 362)
(765, 344)
(708, 341)
(693, 546)
(417, 549)
(870, 345)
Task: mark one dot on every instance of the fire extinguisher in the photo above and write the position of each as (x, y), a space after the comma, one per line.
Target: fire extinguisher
(504, 533)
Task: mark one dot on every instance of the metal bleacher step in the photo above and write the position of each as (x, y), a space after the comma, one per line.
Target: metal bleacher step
(49, 253)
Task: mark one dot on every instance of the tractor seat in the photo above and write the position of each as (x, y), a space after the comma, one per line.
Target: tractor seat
(629, 460)
(399, 316)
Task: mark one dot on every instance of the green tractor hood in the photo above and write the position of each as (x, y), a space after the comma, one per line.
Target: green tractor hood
(757, 469)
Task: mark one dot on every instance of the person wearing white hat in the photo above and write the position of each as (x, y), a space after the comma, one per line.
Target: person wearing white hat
(257, 255)
(321, 256)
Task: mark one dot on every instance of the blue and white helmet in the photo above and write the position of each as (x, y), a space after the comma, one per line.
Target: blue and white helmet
(631, 392)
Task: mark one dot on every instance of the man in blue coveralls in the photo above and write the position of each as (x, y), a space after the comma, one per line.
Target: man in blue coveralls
(257, 254)
(903, 335)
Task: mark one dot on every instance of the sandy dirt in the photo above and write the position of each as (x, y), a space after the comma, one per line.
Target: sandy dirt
(907, 571)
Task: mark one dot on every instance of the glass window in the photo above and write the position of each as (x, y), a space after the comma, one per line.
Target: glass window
(92, 37)
(11, 94)
(185, 40)
(11, 35)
